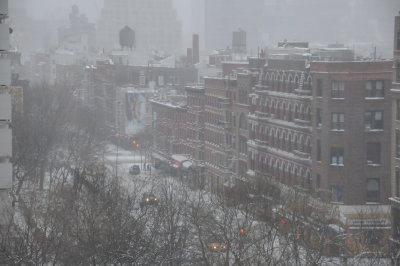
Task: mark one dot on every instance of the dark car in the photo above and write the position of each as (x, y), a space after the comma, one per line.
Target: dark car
(134, 170)
(149, 199)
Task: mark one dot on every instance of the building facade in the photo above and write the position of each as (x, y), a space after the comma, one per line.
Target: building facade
(280, 123)
(395, 137)
(351, 130)
(5, 112)
(178, 135)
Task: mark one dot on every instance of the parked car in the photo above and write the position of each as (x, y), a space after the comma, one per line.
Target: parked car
(149, 199)
(134, 170)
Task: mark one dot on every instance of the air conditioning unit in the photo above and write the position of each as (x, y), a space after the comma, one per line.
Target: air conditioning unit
(5, 107)
(5, 175)
(4, 37)
(5, 72)
(4, 8)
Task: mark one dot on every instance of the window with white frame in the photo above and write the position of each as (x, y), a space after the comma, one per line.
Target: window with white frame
(318, 117)
(337, 122)
(398, 72)
(319, 88)
(337, 156)
(337, 89)
(374, 89)
(374, 120)
(373, 153)
(373, 189)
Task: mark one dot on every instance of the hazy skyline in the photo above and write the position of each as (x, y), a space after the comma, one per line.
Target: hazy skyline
(365, 23)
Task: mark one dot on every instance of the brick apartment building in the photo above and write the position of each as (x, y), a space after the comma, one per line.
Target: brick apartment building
(351, 130)
(395, 137)
(226, 125)
(178, 134)
(280, 123)
(321, 126)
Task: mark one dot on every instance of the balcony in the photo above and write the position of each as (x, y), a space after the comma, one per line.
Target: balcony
(301, 154)
(303, 92)
(302, 123)
(225, 124)
(260, 114)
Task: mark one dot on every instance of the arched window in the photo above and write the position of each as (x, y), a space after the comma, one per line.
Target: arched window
(296, 82)
(278, 82)
(283, 145)
(296, 111)
(272, 83)
(289, 83)
(289, 141)
(308, 83)
(301, 143)
(294, 142)
(308, 113)
(283, 83)
(308, 145)
(242, 121)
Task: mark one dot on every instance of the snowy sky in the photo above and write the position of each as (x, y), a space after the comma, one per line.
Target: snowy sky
(364, 20)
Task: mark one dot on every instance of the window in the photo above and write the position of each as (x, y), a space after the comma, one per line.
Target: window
(337, 89)
(398, 72)
(318, 181)
(242, 145)
(374, 120)
(318, 150)
(337, 122)
(374, 89)
(397, 189)
(373, 190)
(398, 40)
(337, 156)
(373, 153)
(397, 155)
(318, 118)
(319, 88)
(337, 193)
(397, 109)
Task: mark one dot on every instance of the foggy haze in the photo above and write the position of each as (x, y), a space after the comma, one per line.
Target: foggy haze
(364, 23)
(200, 132)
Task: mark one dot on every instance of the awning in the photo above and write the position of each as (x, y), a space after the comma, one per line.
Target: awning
(187, 164)
(179, 158)
(159, 157)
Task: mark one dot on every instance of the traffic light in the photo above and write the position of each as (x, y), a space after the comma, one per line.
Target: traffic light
(136, 144)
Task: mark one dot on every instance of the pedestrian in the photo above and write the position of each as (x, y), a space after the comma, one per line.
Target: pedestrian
(144, 166)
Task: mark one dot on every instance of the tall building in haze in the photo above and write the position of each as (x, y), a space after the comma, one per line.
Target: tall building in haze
(222, 17)
(155, 23)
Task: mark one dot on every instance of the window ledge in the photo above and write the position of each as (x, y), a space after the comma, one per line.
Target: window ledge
(374, 98)
(337, 130)
(340, 165)
(372, 202)
(374, 164)
(334, 98)
(374, 130)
